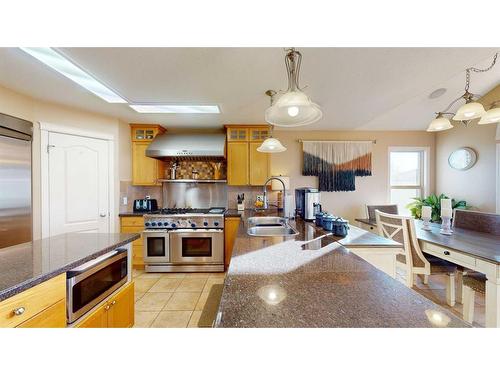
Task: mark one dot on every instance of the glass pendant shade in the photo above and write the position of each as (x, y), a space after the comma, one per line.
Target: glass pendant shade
(490, 117)
(271, 145)
(440, 123)
(469, 111)
(293, 109)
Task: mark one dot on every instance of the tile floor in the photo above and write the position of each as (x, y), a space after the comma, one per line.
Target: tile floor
(436, 292)
(171, 300)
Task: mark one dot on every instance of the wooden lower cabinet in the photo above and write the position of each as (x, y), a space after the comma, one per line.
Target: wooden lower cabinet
(116, 312)
(231, 225)
(134, 224)
(35, 306)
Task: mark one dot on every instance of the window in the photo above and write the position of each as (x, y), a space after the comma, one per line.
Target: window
(407, 176)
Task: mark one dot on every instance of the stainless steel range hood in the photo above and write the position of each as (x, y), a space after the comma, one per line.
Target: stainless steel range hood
(187, 145)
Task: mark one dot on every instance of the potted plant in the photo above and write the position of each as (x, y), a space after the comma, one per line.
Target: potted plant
(434, 202)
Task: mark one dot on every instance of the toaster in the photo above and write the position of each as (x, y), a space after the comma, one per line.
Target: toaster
(145, 205)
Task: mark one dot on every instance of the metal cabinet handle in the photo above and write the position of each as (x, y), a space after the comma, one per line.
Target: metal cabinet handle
(112, 303)
(19, 311)
(446, 253)
(107, 307)
(102, 215)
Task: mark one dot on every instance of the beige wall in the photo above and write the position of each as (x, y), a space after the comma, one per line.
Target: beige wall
(27, 108)
(369, 190)
(477, 185)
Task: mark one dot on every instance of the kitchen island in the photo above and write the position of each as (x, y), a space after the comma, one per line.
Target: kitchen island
(33, 274)
(272, 282)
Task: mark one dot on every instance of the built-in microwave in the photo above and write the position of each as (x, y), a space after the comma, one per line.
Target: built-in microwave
(89, 284)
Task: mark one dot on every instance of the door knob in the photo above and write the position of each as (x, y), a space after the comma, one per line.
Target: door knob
(102, 215)
(19, 311)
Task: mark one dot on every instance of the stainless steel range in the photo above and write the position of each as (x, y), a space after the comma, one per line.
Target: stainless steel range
(184, 240)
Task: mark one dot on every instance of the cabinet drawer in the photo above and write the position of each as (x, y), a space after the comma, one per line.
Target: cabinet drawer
(32, 301)
(452, 255)
(133, 221)
(53, 317)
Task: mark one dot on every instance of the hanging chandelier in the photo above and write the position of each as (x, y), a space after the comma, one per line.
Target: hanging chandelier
(469, 111)
(271, 144)
(293, 108)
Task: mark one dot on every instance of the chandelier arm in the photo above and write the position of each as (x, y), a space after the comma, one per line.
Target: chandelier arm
(451, 104)
(477, 70)
(289, 69)
(297, 69)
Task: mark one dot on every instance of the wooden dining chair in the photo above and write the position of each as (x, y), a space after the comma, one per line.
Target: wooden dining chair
(387, 208)
(402, 229)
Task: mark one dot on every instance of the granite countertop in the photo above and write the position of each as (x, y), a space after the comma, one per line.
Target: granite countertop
(272, 282)
(367, 221)
(130, 213)
(26, 265)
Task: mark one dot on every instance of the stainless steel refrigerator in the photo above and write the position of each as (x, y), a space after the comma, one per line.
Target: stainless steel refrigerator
(15, 181)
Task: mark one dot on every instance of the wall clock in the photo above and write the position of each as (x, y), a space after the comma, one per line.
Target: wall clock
(462, 159)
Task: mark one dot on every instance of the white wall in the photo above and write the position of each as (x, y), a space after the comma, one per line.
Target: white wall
(369, 190)
(30, 109)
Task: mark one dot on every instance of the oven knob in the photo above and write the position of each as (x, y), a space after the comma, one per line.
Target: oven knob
(173, 225)
(165, 224)
(147, 224)
(153, 224)
(160, 224)
(216, 223)
(193, 225)
(205, 223)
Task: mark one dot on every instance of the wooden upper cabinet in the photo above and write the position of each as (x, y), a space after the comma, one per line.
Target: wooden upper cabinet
(259, 165)
(245, 165)
(237, 163)
(145, 171)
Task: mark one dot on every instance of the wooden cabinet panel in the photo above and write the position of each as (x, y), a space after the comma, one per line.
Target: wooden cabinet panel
(259, 165)
(116, 312)
(237, 163)
(145, 171)
(121, 312)
(258, 134)
(52, 317)
(137, 242)
(231, 225)
(97, 319)
(32, 301)
(237, 134)
(133, 221)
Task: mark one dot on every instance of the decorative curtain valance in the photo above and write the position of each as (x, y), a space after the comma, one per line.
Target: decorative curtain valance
(337, 163)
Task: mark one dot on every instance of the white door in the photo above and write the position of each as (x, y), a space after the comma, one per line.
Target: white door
(78, 184)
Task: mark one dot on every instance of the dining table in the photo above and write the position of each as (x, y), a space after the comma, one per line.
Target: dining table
(473, 250)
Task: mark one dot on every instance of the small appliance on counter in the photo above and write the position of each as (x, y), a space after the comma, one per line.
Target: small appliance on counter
(145, 205)
(241, 202)
(340, 227)
(307, 203)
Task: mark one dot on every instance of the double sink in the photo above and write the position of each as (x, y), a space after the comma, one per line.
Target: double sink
(270, 226)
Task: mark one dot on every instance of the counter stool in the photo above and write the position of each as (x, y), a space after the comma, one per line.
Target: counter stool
(472, 283)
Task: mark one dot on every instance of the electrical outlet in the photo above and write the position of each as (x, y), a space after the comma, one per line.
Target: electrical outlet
(124, 201)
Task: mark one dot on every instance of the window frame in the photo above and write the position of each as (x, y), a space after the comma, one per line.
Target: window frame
(424, 173)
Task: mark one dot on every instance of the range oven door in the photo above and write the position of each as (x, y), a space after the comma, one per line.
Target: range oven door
(197, 246)
(156, 246)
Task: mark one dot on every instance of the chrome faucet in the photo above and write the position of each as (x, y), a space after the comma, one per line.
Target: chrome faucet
(266, 203)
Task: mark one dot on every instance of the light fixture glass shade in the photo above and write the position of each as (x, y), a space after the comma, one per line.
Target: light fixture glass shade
(440, 123)
(292, 109)
(469, 111)
(271, 145)
(490, 117)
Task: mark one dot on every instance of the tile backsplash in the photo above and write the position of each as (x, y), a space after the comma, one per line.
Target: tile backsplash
(205, 169)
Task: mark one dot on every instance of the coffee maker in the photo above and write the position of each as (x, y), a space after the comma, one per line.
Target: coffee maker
(307, 203)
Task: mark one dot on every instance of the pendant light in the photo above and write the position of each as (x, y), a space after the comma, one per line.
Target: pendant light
(469, 111)
(270, 144)
(440, 123)
(491, 116)
(293, 108)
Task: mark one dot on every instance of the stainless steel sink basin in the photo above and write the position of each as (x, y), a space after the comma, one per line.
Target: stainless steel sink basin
(269, 226)
(266, 221)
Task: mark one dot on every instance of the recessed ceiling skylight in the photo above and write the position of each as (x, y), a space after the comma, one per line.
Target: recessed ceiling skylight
(62, 65)
(178, 108)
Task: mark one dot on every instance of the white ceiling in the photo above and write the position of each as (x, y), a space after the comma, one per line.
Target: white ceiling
(357, 88)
